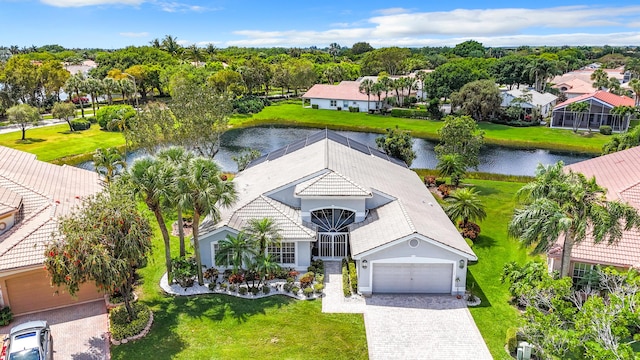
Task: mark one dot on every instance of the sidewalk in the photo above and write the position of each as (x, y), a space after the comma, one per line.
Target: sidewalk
(41, 123)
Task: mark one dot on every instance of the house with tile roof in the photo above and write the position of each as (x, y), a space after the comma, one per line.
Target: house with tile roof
(33, 195)
(334, 197)
(578, 82)
(619, 173)
(600, 105)
(341, 97)
(529, 99)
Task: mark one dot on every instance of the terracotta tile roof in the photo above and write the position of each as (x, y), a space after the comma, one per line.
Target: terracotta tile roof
(331, 184)
(608, 98)
(346, 90)
(576, 86)
(48, 191)
(619, 173)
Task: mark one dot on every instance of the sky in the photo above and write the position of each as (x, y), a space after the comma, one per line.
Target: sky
(119, 23)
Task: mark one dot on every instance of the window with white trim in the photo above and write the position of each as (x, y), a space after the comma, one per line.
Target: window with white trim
(285, 253)
(333, 102)
(216, 248)
(345, 104)
(580, 271)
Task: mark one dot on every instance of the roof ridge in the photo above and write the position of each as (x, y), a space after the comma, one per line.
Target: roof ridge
(16, 228)
(406, 216)
(271, 203)
(24, 186)
(328, 173)
(351, 181)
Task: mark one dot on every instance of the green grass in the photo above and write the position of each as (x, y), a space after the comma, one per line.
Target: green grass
(225, 327)
(50, 143)
(293, 114)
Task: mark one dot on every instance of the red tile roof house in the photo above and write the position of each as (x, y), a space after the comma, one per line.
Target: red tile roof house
(619, 173)
(600, 105)
(33, 195)
(342, 96)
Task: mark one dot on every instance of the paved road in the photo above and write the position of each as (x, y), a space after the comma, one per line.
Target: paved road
(408, 327)
(42, 123)
(79, 332)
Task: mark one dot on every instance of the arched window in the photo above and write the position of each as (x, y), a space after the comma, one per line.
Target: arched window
(332, 220)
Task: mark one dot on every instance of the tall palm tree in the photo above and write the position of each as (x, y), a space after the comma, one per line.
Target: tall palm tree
(451, 165)
(204, 192)
(579, 109)
(178, 158)
(620, 114)
(366, 87)
(466, 205)
(239, 248)
(75, 84)
(421, 76)
(385, 83)
(634, 84)
(170, 44)
(562, 204)
(600, 79)
(108, 163)
(110, 86)
(264, 232)
(94, 88)
(126, 87)
(153, 181)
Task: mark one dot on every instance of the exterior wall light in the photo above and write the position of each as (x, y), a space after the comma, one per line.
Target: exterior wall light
(461, 265)
(365, 263)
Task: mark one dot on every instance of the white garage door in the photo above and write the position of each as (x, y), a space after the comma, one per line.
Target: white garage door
(412, 278)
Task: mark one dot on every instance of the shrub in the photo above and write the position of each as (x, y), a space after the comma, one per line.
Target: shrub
(430, 180)
(346, 289)
(606, 130)
(444, 190)
(353, 276)
(92, 119)
(211, 274)
(287, 287)
(306, 280)
(212, 286)
(233, 288)
(320, 278)
(76, 100)
(223, 286)
(318, 288)
(236, 278)
(354, 109)
(440, 182)
(293, 273)
(307, 291)
(114, 117)
(319, 265)
(314, 106)
(470, 230)
(290, 280)
(249, 104)
(183, 271)
(122, 328)
(77, 125)
(312, 269)
(255, 291)
(5, 316)
(512, 340)
(266, 290)
(242, 290)
(295, 290)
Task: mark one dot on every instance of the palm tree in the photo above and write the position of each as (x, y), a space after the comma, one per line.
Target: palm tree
(264, 232)
(334, 49)
(108, 162)
(540, 70)
(451, 165)
(94, 88)
(600, 79)
(75, 84)
(466, 205)
(377, 90)
(385, 83)
(126, 87)
(170, 45)
(562, 204)
(178, 158)
(421, 76)
(620, 113)
(264, 265)
(366, 87)
(204, 192)
(634, 84)
(153, 181)
(110, 85)
(579, 109)
(239, 248)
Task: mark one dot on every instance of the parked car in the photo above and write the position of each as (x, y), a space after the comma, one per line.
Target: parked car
(30, 341)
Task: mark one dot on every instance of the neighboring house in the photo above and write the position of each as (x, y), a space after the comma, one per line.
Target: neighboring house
(342, 96)
(600, 105)
(33, 195)
(577, 83)
(333, 197)
(83, 67)
(619, 173)
(529, 99)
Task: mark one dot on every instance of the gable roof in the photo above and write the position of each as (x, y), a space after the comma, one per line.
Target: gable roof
(331, 184)
(607, 98)
(369, 169)
(48, 191)
(619, 173)
(346, 90)
(537, 98)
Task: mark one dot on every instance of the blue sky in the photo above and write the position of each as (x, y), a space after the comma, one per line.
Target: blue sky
(118, 23)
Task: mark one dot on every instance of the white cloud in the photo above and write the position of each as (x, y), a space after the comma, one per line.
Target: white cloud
(173, 6)
(80, 3)
(391, 11)
(134, 34)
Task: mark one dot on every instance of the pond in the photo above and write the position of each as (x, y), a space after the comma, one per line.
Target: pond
(493, 159)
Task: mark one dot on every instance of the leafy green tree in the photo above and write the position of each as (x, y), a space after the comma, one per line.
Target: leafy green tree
(397, 143)
(479, 99)
(152, 182)
(540, 70)
(561, 203)
(103, 242)
(453, 166)
(19, 79)
(623, 141)
(108, 162)
(239, 248)
(361, 48)
(460, 135)
(52, 77)
(154, 126)
(23, 115)
(245, 158)
(469, 48)
(465, 204)
(65, 111)
(227, 81)
(453, 75)
(204, 192)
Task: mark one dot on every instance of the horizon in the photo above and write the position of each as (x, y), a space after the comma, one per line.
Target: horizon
(115, 24)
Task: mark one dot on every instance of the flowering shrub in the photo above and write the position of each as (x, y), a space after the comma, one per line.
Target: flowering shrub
(470, 230)
(76, 100)
(236, 278)
(306, 280)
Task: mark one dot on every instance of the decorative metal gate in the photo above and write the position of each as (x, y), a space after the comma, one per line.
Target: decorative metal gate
(333, 232)
(332, 245)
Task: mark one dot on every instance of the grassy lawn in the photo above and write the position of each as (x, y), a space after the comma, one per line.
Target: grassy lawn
(56, 142)
(292, 114)
(225, 327)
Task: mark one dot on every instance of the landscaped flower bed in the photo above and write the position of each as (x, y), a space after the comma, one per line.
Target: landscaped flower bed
(123, 331)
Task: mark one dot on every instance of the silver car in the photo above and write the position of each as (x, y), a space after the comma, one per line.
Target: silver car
(30, 341)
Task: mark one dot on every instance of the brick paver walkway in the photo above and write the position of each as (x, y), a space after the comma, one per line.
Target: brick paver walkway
(408, 327)
(79, 332)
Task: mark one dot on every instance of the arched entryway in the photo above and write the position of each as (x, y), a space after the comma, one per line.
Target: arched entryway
(333, 231)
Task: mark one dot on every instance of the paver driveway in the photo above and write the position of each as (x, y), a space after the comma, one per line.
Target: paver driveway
(408, 327)
(79, 332)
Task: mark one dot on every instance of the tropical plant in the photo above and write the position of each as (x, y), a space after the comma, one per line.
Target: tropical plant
(563, 204)
(108, 162)
(397, 143)
(245, 157)
(264, 233)
(110, 86)
(75, 84)
(235, 251)
(579, 110)
(366, 87)
(634, 84)
(451, 165)
(620, 114)
(465, 204)
(600, 79)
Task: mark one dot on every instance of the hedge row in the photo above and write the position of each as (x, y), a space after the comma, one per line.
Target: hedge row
(353, 276)
(346, 289)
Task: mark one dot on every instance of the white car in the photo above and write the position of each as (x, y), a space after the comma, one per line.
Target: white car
(30, 341)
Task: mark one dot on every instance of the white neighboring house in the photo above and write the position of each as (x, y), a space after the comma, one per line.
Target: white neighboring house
(544, 102)
(341, 97)
(333, 197)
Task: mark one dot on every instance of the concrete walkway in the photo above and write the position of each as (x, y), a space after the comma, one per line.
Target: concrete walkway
(409, 326)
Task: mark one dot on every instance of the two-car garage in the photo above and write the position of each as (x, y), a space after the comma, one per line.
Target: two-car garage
(415, 278)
